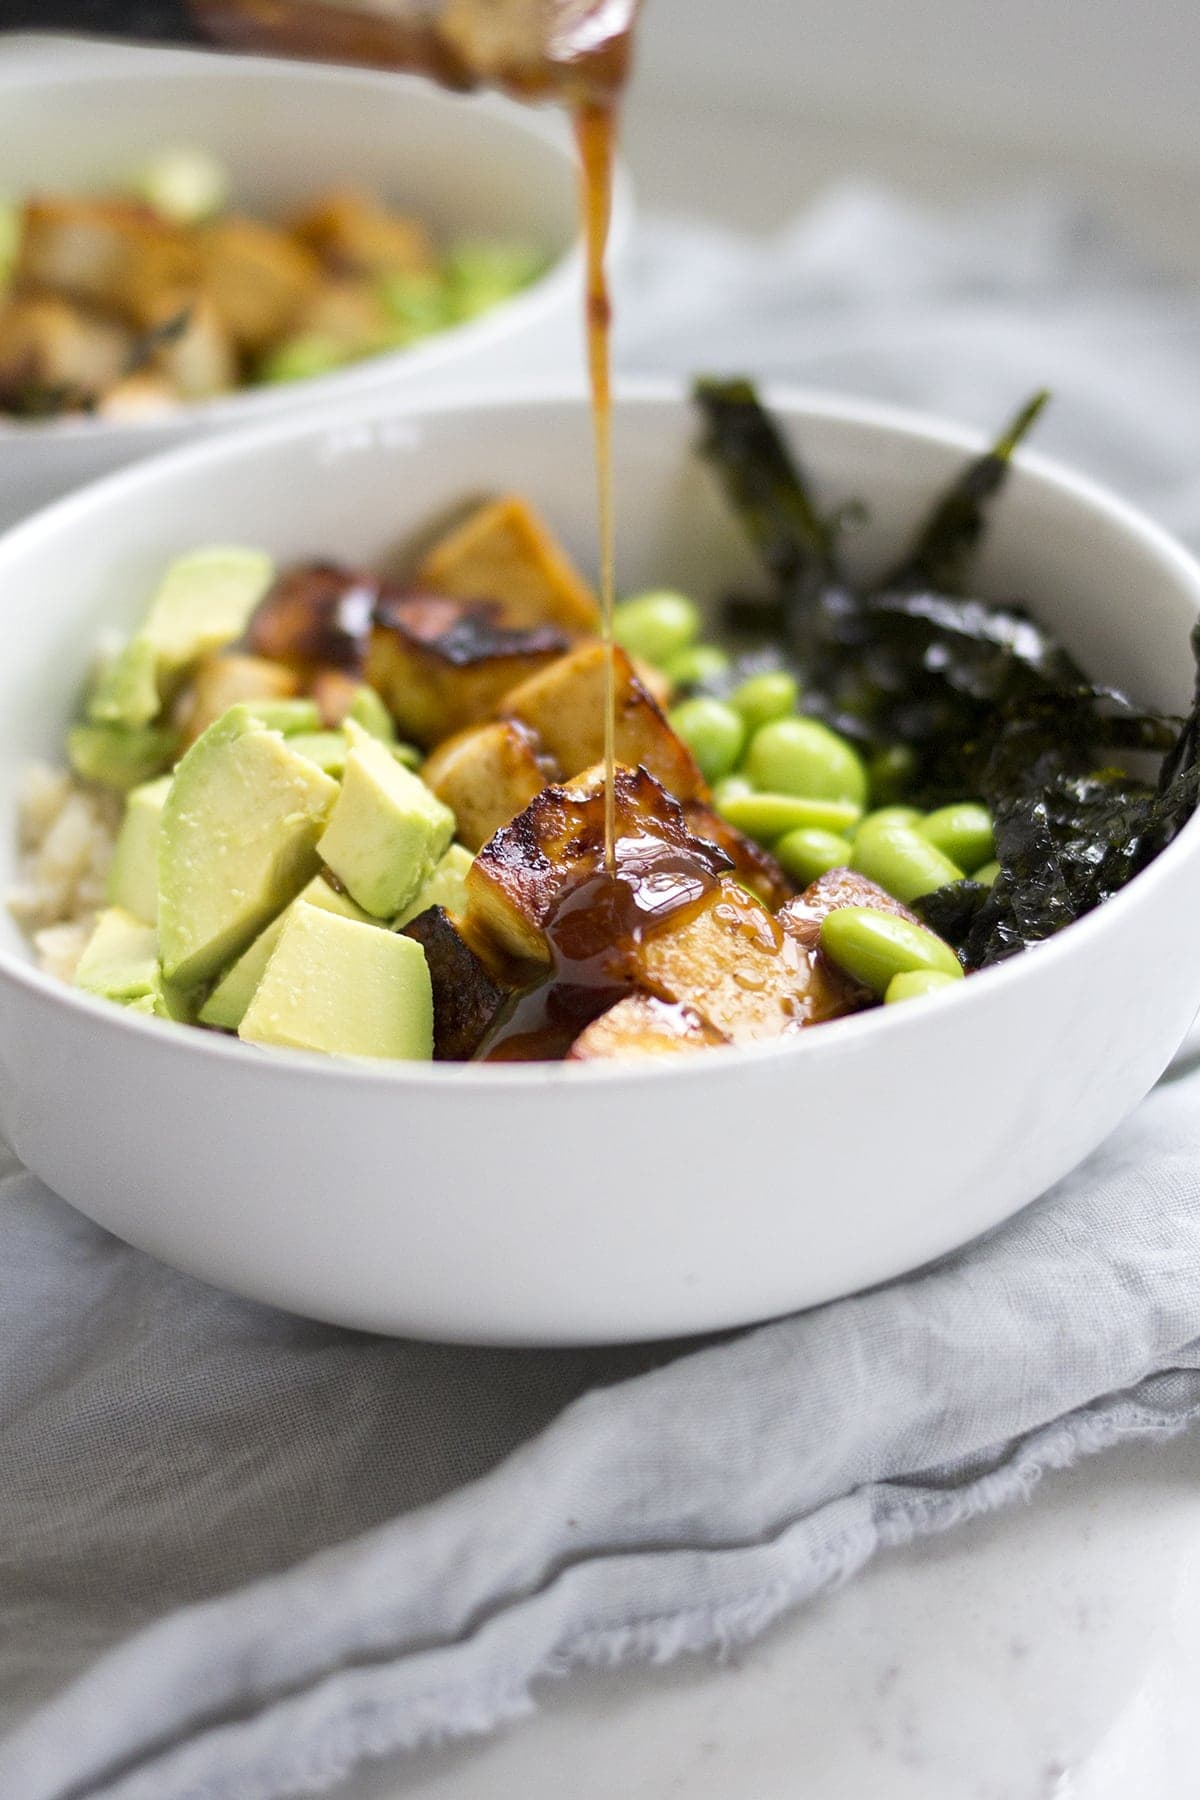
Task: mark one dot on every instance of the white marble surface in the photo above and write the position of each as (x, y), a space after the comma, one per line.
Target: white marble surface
(1051, 1652)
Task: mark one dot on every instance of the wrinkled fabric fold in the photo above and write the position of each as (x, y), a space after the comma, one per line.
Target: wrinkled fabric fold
(240, 1552)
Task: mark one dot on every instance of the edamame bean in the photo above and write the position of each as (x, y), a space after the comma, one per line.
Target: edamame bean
(771, 695)
(890, 773)
(808, 853)
(731, 790)
(766, 817)
(914, 984)
(802, 756)
(962, 832)
(876, 946)
(987, 875)
(887, 815)
(695, 666)
(656, 625)
(902, 861)
(713, 733)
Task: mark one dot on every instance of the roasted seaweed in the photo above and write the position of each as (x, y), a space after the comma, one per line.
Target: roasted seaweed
(972, 697)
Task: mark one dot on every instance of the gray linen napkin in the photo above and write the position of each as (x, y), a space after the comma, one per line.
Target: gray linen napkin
(240, 1552)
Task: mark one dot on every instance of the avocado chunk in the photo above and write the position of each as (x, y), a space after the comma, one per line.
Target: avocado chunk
(120, 756)
(238, 842)
(368, 710)
(345, 988)
(387, 830)
(446, 887)
(203, 603)
(133, 878)
(288, 716)
(226, 1005)
(120, 963)
(326, 748)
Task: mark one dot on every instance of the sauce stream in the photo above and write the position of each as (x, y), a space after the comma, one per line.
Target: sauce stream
(595, 130)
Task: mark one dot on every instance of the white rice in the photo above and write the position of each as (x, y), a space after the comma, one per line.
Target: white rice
(67, 832)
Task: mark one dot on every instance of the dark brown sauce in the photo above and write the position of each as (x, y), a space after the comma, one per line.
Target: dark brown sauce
(595, 130)
(593, 934)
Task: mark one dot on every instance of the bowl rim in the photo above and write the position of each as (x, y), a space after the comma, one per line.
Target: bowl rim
(248, 405)
(844, 1035)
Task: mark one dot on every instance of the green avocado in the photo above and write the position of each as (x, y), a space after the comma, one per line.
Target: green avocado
(226, 1005)
(120, 963)
(288, 716)
(344, 988)
(203, 603)
(326, 748)
(120, 756)
(387, 831)
(368, 710)
(446, 887)
(133, 878)
(238, 842)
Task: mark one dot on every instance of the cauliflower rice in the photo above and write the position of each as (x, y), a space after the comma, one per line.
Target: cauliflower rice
(67, 833)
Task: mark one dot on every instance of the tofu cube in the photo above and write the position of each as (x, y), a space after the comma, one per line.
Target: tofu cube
(486, 776)
(504, 552)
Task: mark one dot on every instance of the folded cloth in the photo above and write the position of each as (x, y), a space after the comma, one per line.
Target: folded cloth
(240, 1552)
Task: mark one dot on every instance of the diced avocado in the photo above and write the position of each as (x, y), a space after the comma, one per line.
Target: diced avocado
(226, 1005)
(368, 710)
(288, 716)
(126, 689)
(408, 754)
(238, 842)
(326, 748)
(120, 963)
(118, 756)
(387, 830)
(446, 887)
(202, 604)
(133, 878)
(344, 988)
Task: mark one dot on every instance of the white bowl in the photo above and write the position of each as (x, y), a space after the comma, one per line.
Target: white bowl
(555, 1203)
(80, 117)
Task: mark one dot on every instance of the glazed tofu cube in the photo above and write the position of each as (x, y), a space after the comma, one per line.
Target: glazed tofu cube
(443, 664)
(354, 235)
(467, 995)
(49, 349)
(754, 867)
(224, 681)
(516, 879)
(640, 1026)
(504, 552)
(486, 776)
(112, 254)
(347, 312)
(194, 352)
(258, 279)
(733, 964)
(564, 706)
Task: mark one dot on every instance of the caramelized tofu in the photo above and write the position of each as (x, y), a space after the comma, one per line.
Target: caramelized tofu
(641, 1026)
(317, 615)
(564, 706)
(467, 996)
(754, 867)
(258, 279)
(516, 879)
(348, 313)
(112, 254)
(50, 348)
(354, 235)
(196, 354)
(486, 776)
(504, 552)
(442, 664)
(224, 681)
(733, 964)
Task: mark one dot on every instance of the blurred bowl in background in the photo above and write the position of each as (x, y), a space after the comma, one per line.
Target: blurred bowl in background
(79, 118)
